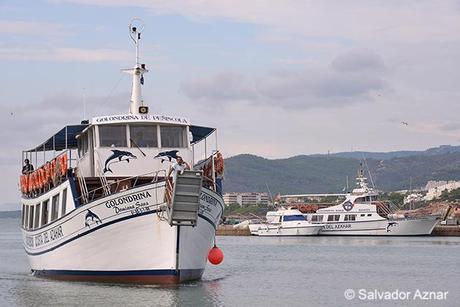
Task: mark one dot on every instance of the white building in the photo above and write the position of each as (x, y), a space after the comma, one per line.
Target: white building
(435, 188)
(248, 198)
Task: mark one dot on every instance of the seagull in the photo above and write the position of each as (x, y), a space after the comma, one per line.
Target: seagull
(405, 123)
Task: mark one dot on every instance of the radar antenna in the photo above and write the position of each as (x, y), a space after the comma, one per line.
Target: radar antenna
(136, 26)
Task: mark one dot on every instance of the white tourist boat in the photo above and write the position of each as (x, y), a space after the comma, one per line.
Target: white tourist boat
(285, 222)
(104, 208)
(362, 214)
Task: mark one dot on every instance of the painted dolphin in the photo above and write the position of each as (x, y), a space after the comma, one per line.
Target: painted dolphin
(169, 155)
(93, 217)
(120, 155)
(391, 224)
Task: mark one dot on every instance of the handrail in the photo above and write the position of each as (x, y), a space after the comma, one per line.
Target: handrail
(117, 183)
(209, 165)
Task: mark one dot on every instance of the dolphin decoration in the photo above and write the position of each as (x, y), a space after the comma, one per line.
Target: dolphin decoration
(391, 224)
(91, 216)
(120, 155)
(167, 155)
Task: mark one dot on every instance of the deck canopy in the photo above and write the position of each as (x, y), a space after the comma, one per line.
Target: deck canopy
(199, 133)
(63, 139)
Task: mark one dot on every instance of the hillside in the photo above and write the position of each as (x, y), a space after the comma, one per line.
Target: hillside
(323, 174)
(444, 149)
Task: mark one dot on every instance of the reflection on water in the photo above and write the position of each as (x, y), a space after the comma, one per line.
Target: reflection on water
(28, 291)
(258, 272)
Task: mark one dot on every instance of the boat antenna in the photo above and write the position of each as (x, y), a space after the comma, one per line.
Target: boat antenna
(136, 26)
(369, 172)
(84, 103)
(269, 194)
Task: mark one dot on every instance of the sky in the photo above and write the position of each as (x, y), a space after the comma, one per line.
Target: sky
(277, 78)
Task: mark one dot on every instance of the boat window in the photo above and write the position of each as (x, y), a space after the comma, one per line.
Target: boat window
(64, 201)
(45, 212)
(173, 136)
(31, 217)
(363, 215)
(37, 216)
(333, 217)
(54, 207)
(23, 213)
(359, 200)
(298, 217)
(83, 144)
(112, 136)
(143, 136)
(350, 217)
(316, 218)
(26, 217)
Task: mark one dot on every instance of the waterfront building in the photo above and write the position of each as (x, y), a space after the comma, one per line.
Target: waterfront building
(435, 188)
(246, 198)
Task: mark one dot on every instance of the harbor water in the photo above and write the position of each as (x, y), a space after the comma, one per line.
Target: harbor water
(307, 271)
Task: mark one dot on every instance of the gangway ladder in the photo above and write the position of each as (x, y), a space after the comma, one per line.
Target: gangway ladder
(185, 199)
(104, 183)
(82, 183)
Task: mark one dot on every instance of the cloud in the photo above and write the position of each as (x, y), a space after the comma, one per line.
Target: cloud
(221, 87)
(29, 27)
(450, 126)
(305, 88)
(408, 21)
(358, 60)
(64, 54)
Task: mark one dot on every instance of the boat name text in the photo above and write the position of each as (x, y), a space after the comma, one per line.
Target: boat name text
(44, 237)
(336, 226)
(158, 118)
(129, 202)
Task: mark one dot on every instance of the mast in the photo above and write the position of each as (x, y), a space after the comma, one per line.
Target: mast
(137, 104)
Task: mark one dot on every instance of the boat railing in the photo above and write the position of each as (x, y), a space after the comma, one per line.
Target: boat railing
(46, 176)
(83, 186)
(119, 185)
(213, 169)
(169, 191)
(383, 208)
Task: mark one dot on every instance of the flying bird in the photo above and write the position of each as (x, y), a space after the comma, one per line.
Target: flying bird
(405, 123)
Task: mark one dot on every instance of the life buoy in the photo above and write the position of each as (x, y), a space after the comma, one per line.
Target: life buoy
(63, 164)
(54, 171)
(42, 177)
(39, 179)
(32, 181)
(28, 187)
(219, 163)
(207, 170)
(47, 172)
(21, 183)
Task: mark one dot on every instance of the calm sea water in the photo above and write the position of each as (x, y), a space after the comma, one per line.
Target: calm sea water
(308, 271)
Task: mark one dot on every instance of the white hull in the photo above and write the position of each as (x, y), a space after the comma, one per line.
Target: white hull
(384, 227)
(274, 231)
(254, 228)
(129, 241)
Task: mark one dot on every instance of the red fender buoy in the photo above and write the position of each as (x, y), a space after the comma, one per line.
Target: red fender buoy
(215, 255)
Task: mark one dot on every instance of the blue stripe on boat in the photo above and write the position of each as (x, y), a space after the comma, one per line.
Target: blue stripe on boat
(102, 226)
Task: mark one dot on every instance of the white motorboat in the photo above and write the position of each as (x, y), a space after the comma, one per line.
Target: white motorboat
(103, 208)
(362, 214)
(285, 222)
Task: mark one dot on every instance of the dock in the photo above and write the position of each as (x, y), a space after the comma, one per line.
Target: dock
(446, 230)
(440, 230)
(229, 230)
